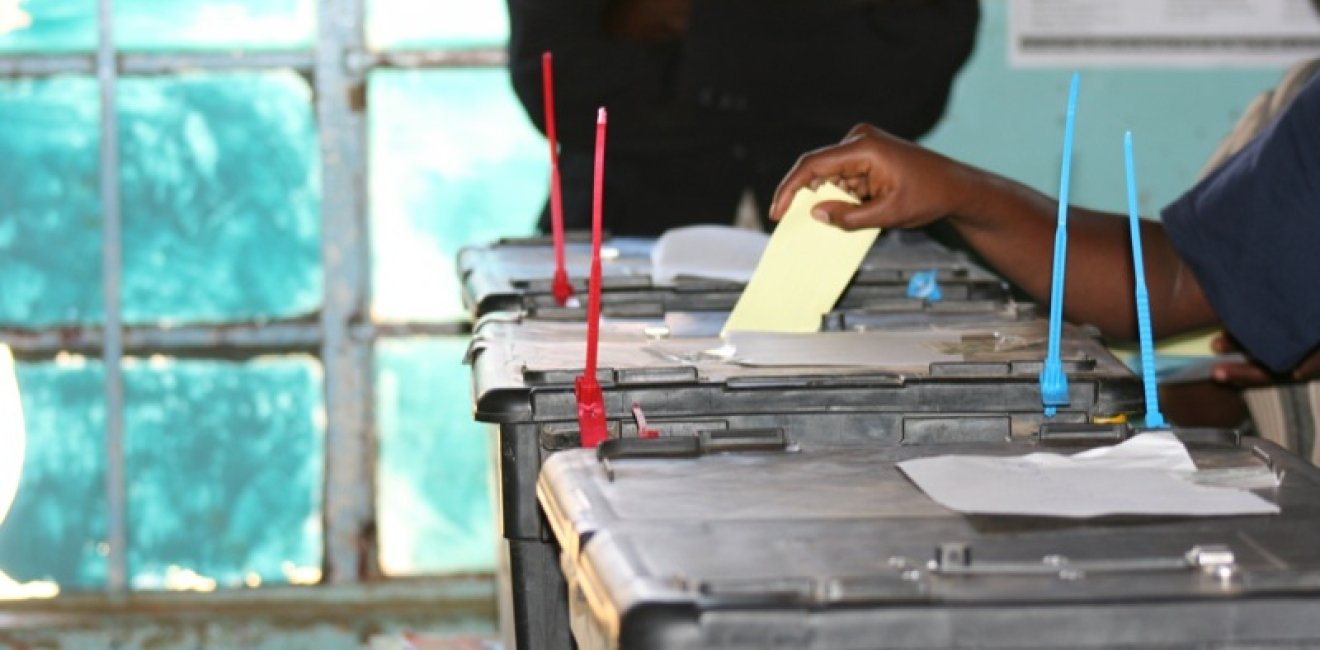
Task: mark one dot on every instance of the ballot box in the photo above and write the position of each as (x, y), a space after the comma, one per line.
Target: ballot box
(515, 275)
(740, 542)
(957, 382)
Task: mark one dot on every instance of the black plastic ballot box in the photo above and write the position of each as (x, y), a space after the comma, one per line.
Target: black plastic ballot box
(749, 541)
(984, 388)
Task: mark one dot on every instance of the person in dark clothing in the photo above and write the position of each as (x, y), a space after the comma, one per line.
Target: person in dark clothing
(1237, 249)
(709, 99)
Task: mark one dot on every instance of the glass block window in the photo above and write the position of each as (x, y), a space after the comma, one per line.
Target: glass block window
(147, 25)
(235, 280)
(56, 527)
(50, 211)
(58, 26)
(444, 174)
(221, 198)
(223, 468)
(47, 26)
(220, 195)
(434, 470)
(407, 24)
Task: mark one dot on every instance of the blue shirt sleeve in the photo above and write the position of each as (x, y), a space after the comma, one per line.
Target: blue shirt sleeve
(1250, 231)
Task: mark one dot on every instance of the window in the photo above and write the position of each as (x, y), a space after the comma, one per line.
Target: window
(230, 291)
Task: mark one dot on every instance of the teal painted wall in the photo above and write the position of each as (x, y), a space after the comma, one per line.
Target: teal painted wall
(1010, 120)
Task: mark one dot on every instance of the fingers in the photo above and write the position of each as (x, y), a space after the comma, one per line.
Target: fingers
(1309, 368)
(847, 164)
(803, 174)
(857, 186)
(859, 131)
(1222, 343)
(1242, 374)
(849, 216)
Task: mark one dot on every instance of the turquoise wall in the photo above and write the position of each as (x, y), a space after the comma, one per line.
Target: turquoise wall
(1010, 120)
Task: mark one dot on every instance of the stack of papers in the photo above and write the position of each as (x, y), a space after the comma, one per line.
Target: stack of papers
(711, 252)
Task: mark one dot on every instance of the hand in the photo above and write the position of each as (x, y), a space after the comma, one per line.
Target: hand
(899, 184)
(646, 21)
(1249, 373)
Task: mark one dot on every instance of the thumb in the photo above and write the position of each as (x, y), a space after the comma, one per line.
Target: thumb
(1222, 343)
(851, 216)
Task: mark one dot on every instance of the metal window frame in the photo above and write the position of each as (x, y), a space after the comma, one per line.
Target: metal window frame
(342, 335)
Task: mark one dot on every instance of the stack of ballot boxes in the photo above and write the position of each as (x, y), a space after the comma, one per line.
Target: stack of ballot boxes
(896, 371)
(753, 542)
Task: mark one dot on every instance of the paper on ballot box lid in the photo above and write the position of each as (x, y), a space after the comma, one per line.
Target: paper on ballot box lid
(707, 251)
(1146, 475)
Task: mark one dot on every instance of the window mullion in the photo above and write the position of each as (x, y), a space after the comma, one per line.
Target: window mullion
(111, 274)
(350, 448)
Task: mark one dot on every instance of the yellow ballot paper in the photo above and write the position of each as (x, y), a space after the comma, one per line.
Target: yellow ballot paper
(804, 269)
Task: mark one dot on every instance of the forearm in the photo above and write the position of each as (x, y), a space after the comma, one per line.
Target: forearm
(1014, 228)
(902, 185)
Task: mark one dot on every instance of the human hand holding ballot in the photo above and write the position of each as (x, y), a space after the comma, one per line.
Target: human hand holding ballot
(805, 268)
(897, 184)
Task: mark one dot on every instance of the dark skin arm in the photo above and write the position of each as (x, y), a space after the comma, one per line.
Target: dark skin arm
(902, 185)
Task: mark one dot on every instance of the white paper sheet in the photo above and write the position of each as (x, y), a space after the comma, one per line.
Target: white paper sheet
(1152, 450)
(1142, 476)
(709, 251)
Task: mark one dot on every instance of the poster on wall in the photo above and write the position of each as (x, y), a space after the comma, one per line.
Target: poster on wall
(1162, 33)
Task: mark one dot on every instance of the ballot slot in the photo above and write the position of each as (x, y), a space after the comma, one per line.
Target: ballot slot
(518, 274)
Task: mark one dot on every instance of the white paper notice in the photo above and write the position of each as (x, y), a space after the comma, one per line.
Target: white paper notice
(1148, 33)
(1142, 476)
